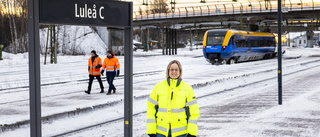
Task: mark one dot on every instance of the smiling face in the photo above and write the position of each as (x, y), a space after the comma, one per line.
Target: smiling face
(174, 71)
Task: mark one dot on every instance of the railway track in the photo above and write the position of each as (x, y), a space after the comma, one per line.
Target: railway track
(79, 130)
(84, 80)
(78, 81)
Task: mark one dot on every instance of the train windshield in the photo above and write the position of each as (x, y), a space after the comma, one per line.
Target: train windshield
(215, 40)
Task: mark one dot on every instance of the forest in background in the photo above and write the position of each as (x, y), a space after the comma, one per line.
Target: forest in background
(14, 29)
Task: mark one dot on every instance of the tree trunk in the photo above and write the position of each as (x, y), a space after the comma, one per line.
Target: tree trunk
(63, 40)
(12, 50)
(45, 55)
(55, 44)
(51, 44)
(25, 25)
(15, 32)
(75, 40)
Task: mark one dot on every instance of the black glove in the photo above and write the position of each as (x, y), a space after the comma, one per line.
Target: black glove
(88, 68)
(118, 73)
(152, 135)
(102, 71)
(190, 135)
(99, 66)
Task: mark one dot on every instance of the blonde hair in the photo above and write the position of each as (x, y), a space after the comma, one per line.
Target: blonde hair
(169, 65)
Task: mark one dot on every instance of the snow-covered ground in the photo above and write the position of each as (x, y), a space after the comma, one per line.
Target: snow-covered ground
(65, 82)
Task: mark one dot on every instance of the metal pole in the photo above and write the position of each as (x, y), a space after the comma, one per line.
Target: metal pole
(128, 69)
(241, 9)
(279, 55)
(190, 39)
(34, 68)
(176, 40)
(162, 40)
(141, 36)
(148, 46)
(172, 41)
(167, 39)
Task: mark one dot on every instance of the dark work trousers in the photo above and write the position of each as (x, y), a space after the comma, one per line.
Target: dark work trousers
(110, 78)
(91, 77)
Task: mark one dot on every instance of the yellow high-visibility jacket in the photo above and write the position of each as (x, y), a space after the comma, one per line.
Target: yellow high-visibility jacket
(172, 105)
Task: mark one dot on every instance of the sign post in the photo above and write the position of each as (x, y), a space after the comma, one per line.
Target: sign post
(279, 54)
(77, 12)
(34, 68)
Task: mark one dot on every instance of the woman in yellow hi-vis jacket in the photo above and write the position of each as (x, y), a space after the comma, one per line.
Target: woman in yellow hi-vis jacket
(172, 108)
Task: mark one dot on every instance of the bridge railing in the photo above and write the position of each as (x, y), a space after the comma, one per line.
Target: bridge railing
(230, 8)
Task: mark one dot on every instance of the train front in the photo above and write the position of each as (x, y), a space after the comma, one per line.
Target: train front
(212, 45)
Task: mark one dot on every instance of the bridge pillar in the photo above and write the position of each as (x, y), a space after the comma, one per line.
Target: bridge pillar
(162, 39)
(175, 41)
(191, 39)
(148, 38)
(167, 39)
(172, 42)
(310, 34)
(142, 37)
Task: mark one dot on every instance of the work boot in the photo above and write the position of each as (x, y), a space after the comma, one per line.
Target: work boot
(102, 90)
(108, 93)
(114, 91)
(88, 92)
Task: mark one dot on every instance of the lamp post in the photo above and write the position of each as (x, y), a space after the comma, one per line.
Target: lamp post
(279, 54)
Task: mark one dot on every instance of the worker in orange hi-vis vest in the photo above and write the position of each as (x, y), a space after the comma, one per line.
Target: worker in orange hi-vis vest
(112, 66)
(94, 66)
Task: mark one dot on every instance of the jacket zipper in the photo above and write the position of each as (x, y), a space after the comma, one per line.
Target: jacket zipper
(171, 105)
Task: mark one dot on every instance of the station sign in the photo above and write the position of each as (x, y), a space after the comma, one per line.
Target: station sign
(85, 12)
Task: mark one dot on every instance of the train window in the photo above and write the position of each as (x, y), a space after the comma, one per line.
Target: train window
(257, 43)
(237, 43)
(270, 42)
(241, 43)
(232, 41)
(215, 40)
(254, 43)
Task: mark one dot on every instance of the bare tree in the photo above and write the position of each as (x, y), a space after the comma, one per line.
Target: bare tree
(14, 13)
(46, 52)
(75, 41)
(63, 40)
(159, 6)
(8, 10)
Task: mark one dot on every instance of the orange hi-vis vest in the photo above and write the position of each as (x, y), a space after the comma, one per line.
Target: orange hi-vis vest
(92, 66)
(111, 65)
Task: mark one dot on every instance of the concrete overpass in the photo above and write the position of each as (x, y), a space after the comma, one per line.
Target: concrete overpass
(231, 14)
(190, 23)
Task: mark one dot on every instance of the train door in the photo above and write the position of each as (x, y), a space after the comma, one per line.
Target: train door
(248, 44)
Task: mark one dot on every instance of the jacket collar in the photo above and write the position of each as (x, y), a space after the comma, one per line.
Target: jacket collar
(178, 82)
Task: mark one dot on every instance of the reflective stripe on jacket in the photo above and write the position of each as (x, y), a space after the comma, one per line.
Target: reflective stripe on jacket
(172, 105)
(92, 66)
(111, 65)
